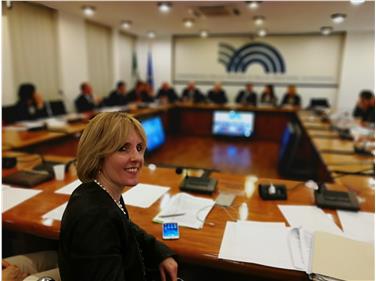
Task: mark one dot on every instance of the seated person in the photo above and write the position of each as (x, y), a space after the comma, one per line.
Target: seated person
(166, 92)
(30, 267)
(86, 101)
(291, 97)
(268, 96)
(217, 95)
(30, 105)
(247, 96)
(118, 96)
(98, 240)
(141, 92)
(365, 108)
(193, 94)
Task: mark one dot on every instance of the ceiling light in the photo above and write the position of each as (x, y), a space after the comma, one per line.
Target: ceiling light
(357, 2)
(126, 24)
(151, 34)
(164, 7)
(204, 33)
(188, 23)
(88, 10)
(338, 18)
(262, 32)
(253, 5)
(258, 20)
(326, 30)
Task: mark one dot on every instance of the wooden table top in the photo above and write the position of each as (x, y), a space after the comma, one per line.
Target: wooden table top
(196, 246)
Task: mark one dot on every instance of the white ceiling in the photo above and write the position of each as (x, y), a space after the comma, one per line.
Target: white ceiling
(282, 17)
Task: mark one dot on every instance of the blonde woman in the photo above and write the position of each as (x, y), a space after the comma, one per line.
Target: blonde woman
(98, 241)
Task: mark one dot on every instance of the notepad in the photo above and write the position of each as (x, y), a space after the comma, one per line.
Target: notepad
(342, 258)
(69, 188)
(144, 195)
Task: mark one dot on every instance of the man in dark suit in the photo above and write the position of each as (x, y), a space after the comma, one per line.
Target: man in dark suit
(166, 92)
(217, 95)
(247, 96)
(118, 96)
(140, 93)
(191, 93)
(365, 108)
(86, 101)
(291, 97)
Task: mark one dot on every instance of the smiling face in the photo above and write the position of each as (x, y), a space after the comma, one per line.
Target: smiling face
(122, 167)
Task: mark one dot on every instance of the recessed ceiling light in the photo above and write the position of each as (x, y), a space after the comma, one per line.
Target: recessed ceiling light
(253, 5)
(357, 2)
(262, 32)
(258, 20)
(338, 18)
(151, 34)
(188, 23)
(204, 33)
(126, 24)
(326, 30)
(88, 10)
(164, 7)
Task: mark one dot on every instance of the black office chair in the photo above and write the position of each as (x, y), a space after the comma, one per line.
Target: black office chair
(288, 166)
(318, 103)
(9, 114)
(57, 107)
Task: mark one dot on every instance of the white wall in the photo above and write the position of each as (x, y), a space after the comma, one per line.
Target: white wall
(357, 68)
(312, 63)
(73, 64)
(9, 94)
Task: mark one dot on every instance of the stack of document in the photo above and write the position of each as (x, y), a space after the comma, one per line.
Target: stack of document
(313, 244)
(186, 210)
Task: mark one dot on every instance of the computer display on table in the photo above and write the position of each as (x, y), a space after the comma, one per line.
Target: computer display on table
(233, 123)
(154, 132)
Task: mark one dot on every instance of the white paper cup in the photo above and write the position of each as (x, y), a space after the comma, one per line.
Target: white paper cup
(59, 171)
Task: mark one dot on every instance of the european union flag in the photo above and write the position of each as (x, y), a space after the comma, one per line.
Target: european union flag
(149, 74)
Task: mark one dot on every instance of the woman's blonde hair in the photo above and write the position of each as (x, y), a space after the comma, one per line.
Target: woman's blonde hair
(105, 134)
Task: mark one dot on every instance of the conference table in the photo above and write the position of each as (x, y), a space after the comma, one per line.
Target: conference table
(202, 246)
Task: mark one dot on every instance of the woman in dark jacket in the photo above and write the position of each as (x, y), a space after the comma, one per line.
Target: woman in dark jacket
(30, 105)
(98, 240)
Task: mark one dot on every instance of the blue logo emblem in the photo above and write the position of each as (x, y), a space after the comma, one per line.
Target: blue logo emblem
(238, 60)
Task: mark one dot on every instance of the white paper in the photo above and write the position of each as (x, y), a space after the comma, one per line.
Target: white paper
(257, 242)
(300, 244)
(358, 226)
(144, 195)
(194, 210)
(13, 196)
(69, 188)
(311, 218)
(57, 213)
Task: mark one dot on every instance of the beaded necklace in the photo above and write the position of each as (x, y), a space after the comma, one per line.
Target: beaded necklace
(116, 201)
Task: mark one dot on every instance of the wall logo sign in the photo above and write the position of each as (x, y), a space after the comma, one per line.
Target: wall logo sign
(238, 60)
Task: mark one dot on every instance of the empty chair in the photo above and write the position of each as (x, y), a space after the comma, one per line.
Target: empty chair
(318, 103)
(288, 164)
(57, 107)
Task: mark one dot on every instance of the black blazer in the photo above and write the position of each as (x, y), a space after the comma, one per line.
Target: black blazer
(99, 242)
(83, 103)
(217, 97)
(294, 100)
(170, 94)
(23, 111)
(195, 95)
(115, 98)
(246, 97)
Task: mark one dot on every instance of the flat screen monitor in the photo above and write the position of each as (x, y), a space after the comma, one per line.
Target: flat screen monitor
(233, 123)
(154, 132)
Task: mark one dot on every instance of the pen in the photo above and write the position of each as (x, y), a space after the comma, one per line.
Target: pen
(172, 215)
